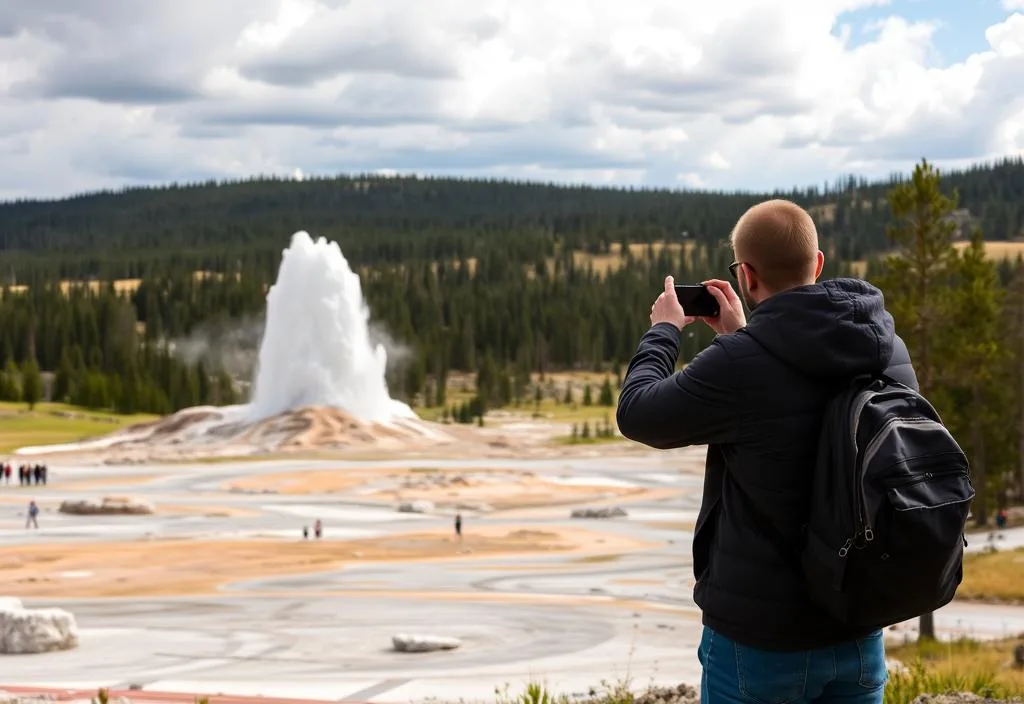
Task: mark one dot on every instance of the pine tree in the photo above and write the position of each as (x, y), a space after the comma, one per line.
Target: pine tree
(1013, 340)
(916, 280)
(607, 397)
(31, 383)
(11, 382)
(972, 366)
(62, 378)
(442, 386)
(588, 398)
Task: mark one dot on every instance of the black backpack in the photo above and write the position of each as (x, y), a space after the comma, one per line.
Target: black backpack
(891, 496)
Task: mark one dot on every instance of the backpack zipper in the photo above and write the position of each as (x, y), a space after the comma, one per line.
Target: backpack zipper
(859, 499)
(918, 478)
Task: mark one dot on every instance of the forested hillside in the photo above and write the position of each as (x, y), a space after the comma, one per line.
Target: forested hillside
(491, 276)
(377, 219)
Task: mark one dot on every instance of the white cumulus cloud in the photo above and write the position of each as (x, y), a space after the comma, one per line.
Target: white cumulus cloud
(731, 94)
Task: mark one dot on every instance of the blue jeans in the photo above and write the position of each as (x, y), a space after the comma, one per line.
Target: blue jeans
(852, 673)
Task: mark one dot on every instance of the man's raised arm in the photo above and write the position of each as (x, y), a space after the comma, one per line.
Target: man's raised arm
(665, 409)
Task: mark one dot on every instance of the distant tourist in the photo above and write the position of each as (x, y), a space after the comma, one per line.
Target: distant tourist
(756, 397)
(458, 525)
(1001, 521)
(7, 473)
(317, 529)
(305, 532)
(33, 515)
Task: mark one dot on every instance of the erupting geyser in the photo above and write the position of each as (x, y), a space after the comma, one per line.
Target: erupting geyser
(319, 381)
(316, 348)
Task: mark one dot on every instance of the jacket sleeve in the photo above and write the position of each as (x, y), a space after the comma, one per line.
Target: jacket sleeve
(695, 406)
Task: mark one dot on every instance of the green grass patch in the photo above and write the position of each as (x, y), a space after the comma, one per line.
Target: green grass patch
(569, 440)
(547, 410)
(994, 576)
(55, 423)
(567, 413)
(936, 667)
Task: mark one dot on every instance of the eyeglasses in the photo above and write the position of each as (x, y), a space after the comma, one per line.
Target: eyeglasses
(733, 268)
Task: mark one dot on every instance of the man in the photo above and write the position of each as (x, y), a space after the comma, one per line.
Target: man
(756, 397)
(33, 516)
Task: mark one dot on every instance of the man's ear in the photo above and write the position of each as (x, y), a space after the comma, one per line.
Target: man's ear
(820, 265)
(752, 282)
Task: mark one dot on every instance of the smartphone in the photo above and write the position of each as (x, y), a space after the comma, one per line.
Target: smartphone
(697, 300)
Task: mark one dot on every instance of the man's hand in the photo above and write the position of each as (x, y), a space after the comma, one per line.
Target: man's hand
(666, 308)
(730, 309)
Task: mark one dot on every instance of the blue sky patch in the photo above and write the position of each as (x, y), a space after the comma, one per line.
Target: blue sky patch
(961, 31)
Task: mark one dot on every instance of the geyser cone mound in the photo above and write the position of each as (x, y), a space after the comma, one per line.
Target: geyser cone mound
(207, 431)
(320, 379)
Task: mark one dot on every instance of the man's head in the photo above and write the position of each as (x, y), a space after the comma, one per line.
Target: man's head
(775, 244)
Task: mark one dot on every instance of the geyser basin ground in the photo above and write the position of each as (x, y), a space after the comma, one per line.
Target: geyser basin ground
(278, 616)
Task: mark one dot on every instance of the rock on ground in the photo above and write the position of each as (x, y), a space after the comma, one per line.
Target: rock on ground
(961, 698)
(109, 505)
(602, 512)
(418, 506)
(680, 694)
(408, 643)
(8, 698)
(30, 631)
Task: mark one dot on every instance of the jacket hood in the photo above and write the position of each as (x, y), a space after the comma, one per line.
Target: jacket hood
(834, 328)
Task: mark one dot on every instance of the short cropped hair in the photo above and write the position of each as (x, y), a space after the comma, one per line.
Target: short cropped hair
(779, 240)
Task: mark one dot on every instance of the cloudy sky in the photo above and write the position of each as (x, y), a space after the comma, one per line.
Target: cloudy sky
(747, 94)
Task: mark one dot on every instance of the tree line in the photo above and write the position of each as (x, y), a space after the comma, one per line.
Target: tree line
(496, 316)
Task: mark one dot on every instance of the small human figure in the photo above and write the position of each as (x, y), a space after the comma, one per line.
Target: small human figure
(305, 532)
(33, 513)
(458, 525)
(7, 474)
(317, 529)
(1001, 521)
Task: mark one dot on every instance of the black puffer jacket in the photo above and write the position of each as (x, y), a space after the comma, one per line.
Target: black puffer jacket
(756, 398)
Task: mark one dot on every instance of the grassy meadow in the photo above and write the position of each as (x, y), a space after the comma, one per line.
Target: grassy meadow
(994, 577)
(983, 668)
(52, 423)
